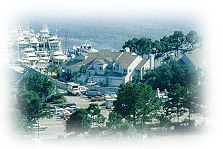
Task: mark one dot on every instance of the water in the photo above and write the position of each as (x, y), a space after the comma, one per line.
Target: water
(110, 33)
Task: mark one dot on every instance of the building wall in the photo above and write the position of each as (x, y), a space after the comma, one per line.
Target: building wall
(131, 68)
(116, 81)
(99, 68)
(99, 79)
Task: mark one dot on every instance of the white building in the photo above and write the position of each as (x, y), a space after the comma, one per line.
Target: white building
(107, 67)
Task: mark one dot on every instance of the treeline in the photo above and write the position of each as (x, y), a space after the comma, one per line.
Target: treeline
(139, 110)
(173, 43)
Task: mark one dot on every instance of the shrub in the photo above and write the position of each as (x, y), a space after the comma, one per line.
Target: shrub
(57, 98)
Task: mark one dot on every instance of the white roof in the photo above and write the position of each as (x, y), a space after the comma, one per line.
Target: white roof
(111, 99)
(60, 57)
(31, 58)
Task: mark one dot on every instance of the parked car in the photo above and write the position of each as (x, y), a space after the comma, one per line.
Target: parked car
(70, 105)
(113, 94)
(91, 94)
(59, 111)
(65, 114)
(37, 127)
(83, 89)
(91, 83)
(72, 88)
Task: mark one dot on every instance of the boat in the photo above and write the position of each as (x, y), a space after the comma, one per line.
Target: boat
(22, 43)
(58, 57)
(86, 47)
(34, 43)
(54, 43)
(43, 37)
(28, 56)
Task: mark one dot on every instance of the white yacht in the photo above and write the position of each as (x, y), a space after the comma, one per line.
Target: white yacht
(29, 56)
(54, 43)
(86, 47)
(22, 42)
(58, 57)
(43, 36)
(34, 43)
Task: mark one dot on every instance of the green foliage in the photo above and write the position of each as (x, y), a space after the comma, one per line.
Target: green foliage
(57, 98)
(160, 77)
(140, 46)
(170, 43)
(37, 83)
(31, 106)
(83, 69)
(165, 76)
(52, 68)
(193, 39)
(114, 120)
(135, 102)
(79, 122)
(95, 114)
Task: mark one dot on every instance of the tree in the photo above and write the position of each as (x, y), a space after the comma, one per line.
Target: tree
(116, 125)
(132, 44)
(177, 101)
(165, 44)
(38, 83)
(160, 77)
(31, 106)
(144, 46)
(83, 69)
(135, 102)
(193, 39)
(78, 122)
(165, 76)
(95, 114)
(176, 41)
(140, 46)
(158, 48)
(52, 68)
(114, 120)
(190, 94)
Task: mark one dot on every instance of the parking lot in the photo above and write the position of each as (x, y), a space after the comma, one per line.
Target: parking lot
(56, 125)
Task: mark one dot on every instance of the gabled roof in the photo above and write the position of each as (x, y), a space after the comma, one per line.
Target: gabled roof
(126, 59)
(196, 57)
(139, 66)
(73, 63)
(100, 56)
(101, 61)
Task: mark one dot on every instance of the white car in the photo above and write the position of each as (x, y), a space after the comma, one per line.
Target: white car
(37, 127)
(91, 83)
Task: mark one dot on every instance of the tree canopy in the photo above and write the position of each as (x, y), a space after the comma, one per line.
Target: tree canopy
(79, 122)
(165, 76)
(38, 83)
(177, 41)
(135, 102)
(31, 106)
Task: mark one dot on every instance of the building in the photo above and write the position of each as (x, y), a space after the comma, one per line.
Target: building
(108, 68)
(197, 60)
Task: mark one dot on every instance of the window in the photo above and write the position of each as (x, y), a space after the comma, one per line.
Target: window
(125, 70)
(100, 68)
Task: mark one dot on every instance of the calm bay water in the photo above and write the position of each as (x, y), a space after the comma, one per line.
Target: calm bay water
(110, 33)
